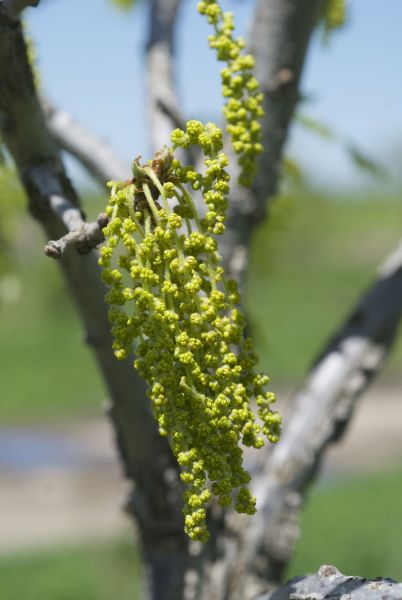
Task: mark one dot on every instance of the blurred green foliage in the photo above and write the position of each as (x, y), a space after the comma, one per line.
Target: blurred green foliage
(95, 572)
(46, 369)
(11, 207)
(354, 525)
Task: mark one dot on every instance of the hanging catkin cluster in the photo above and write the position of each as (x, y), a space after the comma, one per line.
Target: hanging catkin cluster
(241, 90)
(169, 295)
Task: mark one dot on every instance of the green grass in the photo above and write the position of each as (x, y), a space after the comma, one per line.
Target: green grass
(46, 369)
(309, 264)
(356, 526)
(94, 572)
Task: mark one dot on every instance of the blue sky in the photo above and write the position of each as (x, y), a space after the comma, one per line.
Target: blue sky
(91, 62)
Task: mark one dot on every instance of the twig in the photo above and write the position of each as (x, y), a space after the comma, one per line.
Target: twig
(95, 154)
(84, 239)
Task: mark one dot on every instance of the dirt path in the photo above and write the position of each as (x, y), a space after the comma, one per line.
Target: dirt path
(63, 484)
(374, 438)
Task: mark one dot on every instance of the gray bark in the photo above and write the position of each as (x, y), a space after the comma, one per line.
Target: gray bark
(84, 237)
(94, 153)
(155, 501)
(331, 584)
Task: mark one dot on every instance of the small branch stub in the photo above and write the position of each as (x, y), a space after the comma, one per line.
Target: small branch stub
(83, 240)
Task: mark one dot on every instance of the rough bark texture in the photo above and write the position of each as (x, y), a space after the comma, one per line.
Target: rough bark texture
(331, 584)
(84, 238)
(155, 501)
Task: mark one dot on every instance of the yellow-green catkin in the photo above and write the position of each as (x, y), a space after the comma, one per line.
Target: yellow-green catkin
(334, 15)
(169, 296)
(241, 90)
(168, 292)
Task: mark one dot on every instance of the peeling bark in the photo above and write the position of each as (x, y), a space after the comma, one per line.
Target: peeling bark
(331, 584)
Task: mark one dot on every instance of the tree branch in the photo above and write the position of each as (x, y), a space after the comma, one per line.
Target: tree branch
(147, 459)
(96, 155)
(14, 8)
(84, 239)
(331, 583)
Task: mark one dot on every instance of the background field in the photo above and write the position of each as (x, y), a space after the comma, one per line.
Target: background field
(354, 525)
(308, 265)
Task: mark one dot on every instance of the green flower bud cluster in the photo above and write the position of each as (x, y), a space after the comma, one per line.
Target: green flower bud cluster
(168, 292)
(240, 88)
(334, 15)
